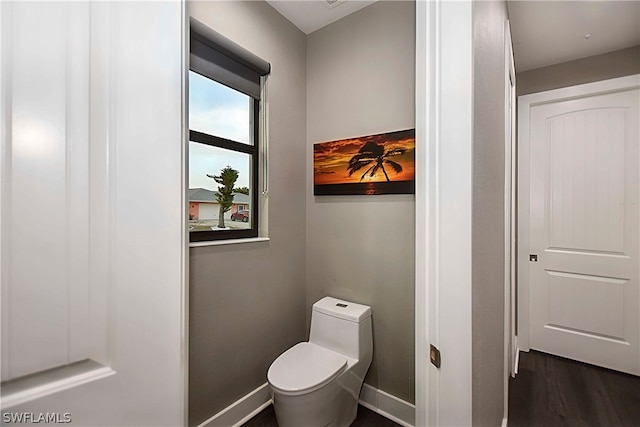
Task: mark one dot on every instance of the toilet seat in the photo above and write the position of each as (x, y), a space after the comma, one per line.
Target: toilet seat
(304, 368)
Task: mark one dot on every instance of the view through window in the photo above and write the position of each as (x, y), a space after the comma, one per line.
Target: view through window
(223, 159)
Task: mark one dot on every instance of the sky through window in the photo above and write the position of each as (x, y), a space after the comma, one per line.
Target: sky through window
(220, 111)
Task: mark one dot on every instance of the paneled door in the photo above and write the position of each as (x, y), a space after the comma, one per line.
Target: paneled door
(584, 228)
(93, 249)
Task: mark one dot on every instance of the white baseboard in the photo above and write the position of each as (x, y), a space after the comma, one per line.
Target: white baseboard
(387, 405)
(242, 410)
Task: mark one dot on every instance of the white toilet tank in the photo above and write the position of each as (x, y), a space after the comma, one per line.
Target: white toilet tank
(342, 326)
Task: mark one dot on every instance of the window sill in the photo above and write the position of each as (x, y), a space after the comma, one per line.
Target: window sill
(228, 242)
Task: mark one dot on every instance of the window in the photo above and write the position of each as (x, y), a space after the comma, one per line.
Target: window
(225, 83)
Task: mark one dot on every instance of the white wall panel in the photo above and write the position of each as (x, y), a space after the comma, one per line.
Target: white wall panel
(99, 197)
(38, 280)
(586, 158)
(78, 214)
(47, 171)
(600, 309)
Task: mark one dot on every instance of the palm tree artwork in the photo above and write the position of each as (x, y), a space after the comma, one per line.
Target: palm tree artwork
(365, 165)
(375, 156)
(227, 180)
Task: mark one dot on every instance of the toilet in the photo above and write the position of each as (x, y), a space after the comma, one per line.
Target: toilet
(317, 383)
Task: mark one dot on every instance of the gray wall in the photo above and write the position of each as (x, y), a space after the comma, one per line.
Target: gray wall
(488, 213)
(610, 65)
(360, 81)
(247, 301)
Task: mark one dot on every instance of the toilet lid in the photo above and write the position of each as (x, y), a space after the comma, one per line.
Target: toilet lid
(304, 368)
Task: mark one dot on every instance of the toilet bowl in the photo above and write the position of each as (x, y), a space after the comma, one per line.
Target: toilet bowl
(317, 383)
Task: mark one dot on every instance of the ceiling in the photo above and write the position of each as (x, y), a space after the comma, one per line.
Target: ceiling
(311, 15)
(544, 32)
(550, 32)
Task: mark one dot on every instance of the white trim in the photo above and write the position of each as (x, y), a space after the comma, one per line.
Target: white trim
(241, 410)
(509, 213)
(387, 405)
(444, 127)
(523, 228)
(228, 242)
(525, 102)
(514, 212)
(505, 422)
(425, 203)
(451, 316)
(33, 393)
(579, 91)
(184, 262)
(5, 176)
(254, 413)
(378, 401)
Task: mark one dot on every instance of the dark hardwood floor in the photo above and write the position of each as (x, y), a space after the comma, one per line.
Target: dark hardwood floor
(366, 418)
(551, 391)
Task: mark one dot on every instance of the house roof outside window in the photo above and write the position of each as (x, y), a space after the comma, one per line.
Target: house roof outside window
(202, 195)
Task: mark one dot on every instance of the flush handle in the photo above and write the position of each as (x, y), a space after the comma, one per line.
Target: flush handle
(533, 257)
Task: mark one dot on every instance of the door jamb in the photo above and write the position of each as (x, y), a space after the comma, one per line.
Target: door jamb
(425, 162)
(510, 365)
(444, 126)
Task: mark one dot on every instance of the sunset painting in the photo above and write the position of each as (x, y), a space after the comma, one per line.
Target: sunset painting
(375, 164)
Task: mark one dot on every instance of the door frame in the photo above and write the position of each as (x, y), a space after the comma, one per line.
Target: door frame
(511, 356)
(525, 103)
(444, 127)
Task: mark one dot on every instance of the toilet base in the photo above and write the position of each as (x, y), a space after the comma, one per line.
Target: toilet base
(330, 406)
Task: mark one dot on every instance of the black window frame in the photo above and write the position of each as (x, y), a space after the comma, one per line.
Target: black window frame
(229, 58)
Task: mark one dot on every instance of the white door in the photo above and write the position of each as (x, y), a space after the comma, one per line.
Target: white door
(93, 251)
(584, 232)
